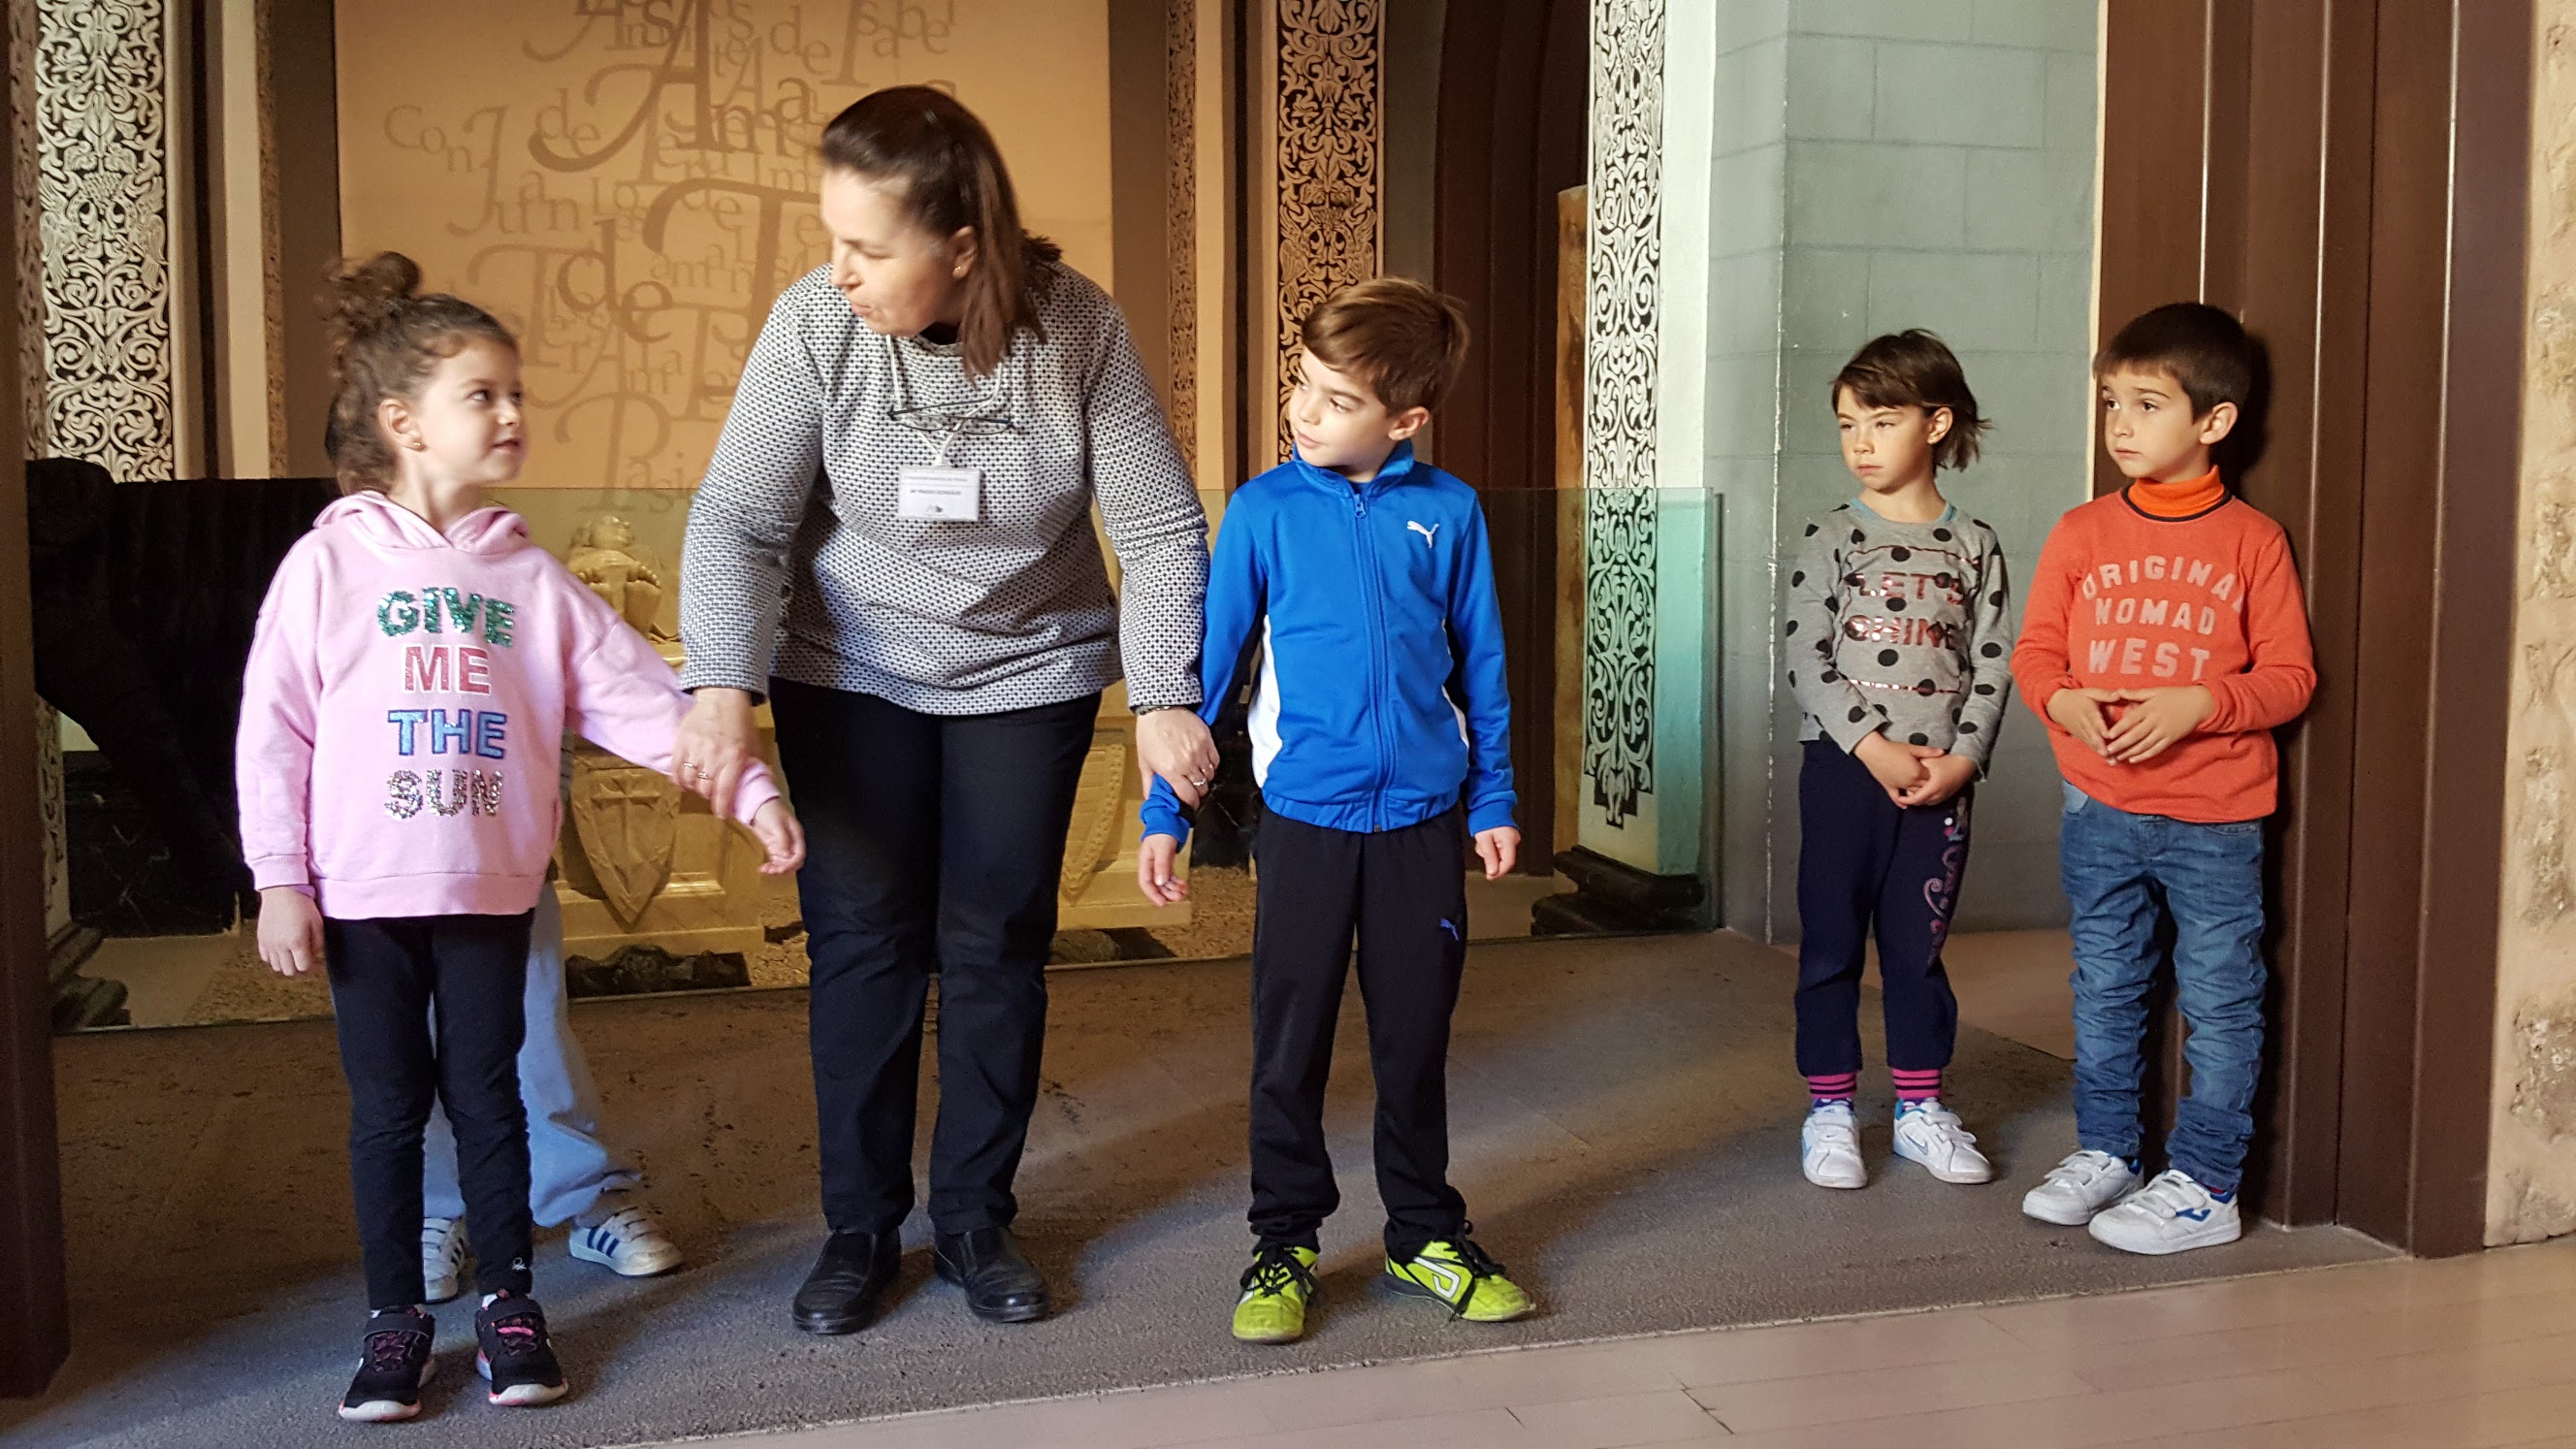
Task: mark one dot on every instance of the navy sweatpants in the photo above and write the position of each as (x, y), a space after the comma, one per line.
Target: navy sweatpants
(1864, 860)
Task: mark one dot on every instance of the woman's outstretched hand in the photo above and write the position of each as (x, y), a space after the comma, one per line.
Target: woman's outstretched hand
(1175, 744)
(718, 740)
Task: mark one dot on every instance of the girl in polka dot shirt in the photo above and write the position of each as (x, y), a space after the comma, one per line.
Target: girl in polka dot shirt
(1899, 650)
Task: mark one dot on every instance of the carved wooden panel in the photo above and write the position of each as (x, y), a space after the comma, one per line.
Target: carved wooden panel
(30, 260)
(101, 193)
(1330, 142)
(1181, 221)
(1622, 315)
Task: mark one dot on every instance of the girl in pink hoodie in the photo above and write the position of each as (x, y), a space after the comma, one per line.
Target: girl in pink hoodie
(416, 665)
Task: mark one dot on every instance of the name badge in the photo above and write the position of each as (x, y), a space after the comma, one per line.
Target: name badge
(948, 495)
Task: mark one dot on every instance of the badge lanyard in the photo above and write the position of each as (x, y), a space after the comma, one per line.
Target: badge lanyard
(943, 492)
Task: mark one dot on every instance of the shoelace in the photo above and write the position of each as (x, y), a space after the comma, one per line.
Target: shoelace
(519, 1334)
(389, 1349)
(1479, 1264)
(1276, 1269)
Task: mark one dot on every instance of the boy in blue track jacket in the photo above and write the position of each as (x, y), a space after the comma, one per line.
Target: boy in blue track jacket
(1380, 726)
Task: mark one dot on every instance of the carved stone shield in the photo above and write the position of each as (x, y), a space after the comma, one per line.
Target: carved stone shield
(628, 821)
(1095, 812)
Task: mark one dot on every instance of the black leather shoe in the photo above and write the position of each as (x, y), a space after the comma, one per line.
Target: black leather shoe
(841, 1294)
(1000, 1282)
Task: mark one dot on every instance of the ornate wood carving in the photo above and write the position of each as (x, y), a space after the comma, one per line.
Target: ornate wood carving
(1330, 121)
(31, 245)
(272, 246)
(101, 197)
(1621, 322)
(1181, 225)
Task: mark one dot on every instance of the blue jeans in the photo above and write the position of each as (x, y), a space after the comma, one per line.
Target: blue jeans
(568, 1166)
(2123, 873)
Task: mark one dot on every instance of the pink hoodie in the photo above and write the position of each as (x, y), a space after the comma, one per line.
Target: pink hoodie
(405, 705)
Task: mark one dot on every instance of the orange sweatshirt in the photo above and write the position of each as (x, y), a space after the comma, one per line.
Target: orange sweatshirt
(2168, 584)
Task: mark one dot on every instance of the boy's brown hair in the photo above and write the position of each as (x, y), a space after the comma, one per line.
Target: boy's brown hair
(1915, 369)
(1406, 341)
(2205, 349)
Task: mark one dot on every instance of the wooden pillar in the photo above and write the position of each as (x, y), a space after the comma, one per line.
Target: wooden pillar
(2348, 176)
(35, 1322)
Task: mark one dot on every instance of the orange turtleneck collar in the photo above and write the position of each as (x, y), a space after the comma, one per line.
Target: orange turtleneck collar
(2183, 498)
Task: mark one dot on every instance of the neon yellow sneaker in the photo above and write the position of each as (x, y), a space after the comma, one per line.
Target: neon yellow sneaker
(1456, 1272)
(1276, 1289)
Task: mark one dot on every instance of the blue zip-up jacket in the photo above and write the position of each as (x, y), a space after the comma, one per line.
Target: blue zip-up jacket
(1381, 699)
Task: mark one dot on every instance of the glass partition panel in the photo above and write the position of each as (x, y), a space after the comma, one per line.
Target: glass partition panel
(1611, 703)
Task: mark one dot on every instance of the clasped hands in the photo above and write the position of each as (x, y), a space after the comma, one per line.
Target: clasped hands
(2154, 720)
(1914, 775)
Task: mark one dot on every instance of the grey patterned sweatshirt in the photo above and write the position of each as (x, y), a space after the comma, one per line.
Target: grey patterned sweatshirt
(1901, 628)
(798, 564)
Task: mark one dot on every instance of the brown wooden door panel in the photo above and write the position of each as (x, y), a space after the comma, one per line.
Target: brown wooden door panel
(2346, 176)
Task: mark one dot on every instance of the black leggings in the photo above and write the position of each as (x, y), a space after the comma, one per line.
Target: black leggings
(391, 981)
(931, 841)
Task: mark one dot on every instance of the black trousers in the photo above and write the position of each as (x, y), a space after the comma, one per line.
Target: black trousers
(392, 981)
(1404, 893)
(931, 841)
(1864, 861)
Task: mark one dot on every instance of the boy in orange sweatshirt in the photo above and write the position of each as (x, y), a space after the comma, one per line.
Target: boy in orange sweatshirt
(2165, 637)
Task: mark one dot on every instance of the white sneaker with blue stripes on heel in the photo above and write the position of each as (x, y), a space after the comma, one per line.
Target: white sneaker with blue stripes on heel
(626, 1240)
(2172, 1214)
(442, 1259)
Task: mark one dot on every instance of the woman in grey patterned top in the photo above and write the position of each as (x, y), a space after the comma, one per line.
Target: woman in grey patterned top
(894, 543)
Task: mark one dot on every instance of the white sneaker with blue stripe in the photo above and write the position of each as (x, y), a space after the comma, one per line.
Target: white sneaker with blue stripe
(1829, 1149)
(627, 1242)
(2172, 1214)
(1929, 1133)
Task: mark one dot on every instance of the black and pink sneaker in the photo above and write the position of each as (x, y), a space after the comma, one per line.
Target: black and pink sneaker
(516, 1358)
(392, 1367)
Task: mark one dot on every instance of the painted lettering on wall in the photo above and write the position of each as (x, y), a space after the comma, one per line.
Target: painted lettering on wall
(630, 183)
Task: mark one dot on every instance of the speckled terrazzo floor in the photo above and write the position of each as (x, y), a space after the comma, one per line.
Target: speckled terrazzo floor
(1626, 1117)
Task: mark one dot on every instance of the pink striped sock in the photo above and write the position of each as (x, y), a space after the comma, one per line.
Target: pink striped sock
(1915, 1086)
(1837, 1087)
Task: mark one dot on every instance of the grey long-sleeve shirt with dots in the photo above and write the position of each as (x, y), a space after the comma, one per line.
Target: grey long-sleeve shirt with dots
(1901, 628)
